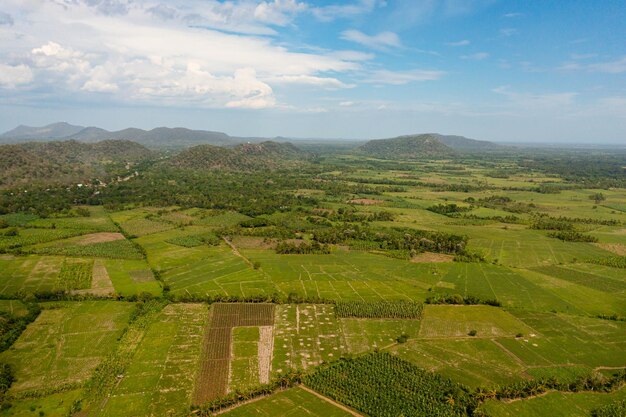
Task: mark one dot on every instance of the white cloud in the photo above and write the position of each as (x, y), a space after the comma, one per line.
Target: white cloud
(479, 56)
(278, 12)
(612, 67)
(535, 101)
(149, 53)
(13, 76)
(381, 41)
(514, 14)
(350, 10)
(463, 42)
(507, 32)
(324, 82)
(402, 77)
(346, 103)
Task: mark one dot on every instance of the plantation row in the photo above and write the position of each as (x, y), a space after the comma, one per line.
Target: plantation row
(408, 390)
(380, 309)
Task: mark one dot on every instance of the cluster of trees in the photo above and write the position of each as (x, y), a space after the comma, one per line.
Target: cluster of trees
(394, 238)
(12, 326)
(301, 248)
(458, 299)
(572, 236)
(448, 209)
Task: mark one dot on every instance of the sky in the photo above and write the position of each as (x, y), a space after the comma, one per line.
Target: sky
(523, 71)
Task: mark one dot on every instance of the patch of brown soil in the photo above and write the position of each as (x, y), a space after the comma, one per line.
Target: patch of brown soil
(251, 242)
(141, 275)
(366, 201)
(99, 238)
(266, 346)
(432, 257)
(616, 248)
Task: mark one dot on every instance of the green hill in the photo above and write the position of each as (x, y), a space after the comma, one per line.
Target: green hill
(407, 147)
(245, 157)
(65, 162)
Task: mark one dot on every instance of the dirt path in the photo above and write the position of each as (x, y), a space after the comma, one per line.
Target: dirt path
(333, 402)
(508, 352)
(236, 251)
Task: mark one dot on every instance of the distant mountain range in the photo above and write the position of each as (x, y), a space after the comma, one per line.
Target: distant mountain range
(423, 145)
(160, 137)
(428, 145)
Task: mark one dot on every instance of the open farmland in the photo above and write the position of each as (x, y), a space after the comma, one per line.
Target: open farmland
(214, 369)
(293, 402)
(434, 284)
(65, 344)
(162, 374)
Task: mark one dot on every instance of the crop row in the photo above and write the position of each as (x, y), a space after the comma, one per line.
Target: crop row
(383, 385)
(380, 309)
(75, 275)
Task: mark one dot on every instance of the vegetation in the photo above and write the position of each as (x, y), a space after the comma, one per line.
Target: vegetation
(380, 309)
(409, 390)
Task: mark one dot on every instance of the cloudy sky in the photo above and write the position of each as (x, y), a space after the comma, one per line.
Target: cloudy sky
(552, 71)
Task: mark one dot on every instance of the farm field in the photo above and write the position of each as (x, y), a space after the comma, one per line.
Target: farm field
(293, 402)
(162, 374)
(429, 283)
(65, 344)
(555, 404)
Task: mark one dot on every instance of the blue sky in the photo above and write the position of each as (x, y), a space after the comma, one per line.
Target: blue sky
(549, 71)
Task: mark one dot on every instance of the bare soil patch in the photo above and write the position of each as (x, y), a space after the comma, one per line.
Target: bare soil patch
(251, 242)
(616, 248)
(141, 275)
(99, 238)
(366, 201)
(432, 257)
(266, 347)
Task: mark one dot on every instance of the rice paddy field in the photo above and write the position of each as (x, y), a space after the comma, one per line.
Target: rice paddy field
(156, 311)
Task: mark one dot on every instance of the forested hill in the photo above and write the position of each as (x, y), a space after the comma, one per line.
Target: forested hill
(407, 147)
(245, 157)
(65, 162)
(160, 137)
(461, 143)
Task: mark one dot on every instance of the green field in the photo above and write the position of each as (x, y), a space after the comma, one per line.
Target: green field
(65, 344)
(162, 375)
(293, 402)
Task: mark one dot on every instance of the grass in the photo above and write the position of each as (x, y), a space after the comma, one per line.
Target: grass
(161, 377)
(65, 344)
(472, 362)
(32, 273)
(55, 405)
(244, 361)
(289, 403)
(457, 321)
(219, 272)
(555, 404)
(120, 273)
(361, 335)
(13, 307)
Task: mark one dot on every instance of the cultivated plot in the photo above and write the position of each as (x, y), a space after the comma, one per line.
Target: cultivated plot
(65, 344)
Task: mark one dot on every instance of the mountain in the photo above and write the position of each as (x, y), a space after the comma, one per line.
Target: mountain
(407, 147)
(52, 131)
(245, 157)
(65, 162)
(461, 143)
(161, 137)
